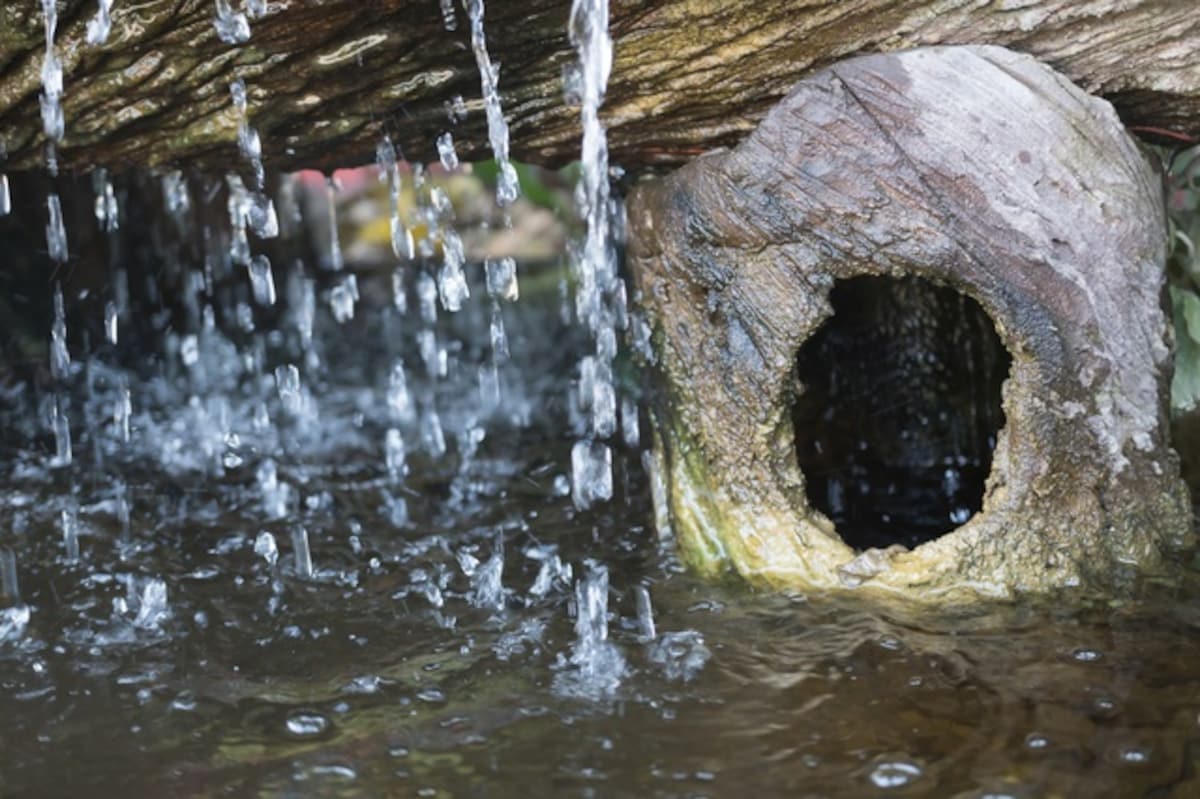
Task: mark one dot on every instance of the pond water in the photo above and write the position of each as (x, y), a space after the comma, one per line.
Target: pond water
(341, 623)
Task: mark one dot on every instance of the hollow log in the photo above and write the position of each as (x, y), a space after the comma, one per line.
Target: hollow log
(971, 168)
(327, 79)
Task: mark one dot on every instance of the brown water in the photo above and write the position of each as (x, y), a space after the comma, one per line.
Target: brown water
(365, 680)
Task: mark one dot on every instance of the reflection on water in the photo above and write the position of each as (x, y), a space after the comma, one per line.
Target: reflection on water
(325, 622)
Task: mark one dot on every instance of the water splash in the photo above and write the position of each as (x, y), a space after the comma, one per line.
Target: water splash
(595, 667)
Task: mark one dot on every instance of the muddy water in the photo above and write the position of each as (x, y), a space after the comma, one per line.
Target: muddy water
(396, 668)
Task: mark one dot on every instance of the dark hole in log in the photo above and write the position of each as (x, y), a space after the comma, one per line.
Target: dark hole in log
(898, 411)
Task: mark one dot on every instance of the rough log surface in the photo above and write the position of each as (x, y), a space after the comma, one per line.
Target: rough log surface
(327, 78)
(972, 167)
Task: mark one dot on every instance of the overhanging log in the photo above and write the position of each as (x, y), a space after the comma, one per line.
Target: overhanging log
(327, 79)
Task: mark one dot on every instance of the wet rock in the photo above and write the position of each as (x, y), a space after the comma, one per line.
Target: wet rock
(974, 168)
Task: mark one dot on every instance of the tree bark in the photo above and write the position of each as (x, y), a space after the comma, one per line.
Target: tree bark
(327, 79)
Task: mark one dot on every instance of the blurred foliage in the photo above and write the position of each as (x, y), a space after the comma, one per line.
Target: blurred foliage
(1183, 270)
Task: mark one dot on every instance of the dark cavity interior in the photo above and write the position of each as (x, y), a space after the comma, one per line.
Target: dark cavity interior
(898, 410)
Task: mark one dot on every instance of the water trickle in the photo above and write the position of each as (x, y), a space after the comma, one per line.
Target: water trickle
(599, 297)
(98, 27)
(52, 78)
(5, 197)
(507, 185)
(232, 27)
(449, 20)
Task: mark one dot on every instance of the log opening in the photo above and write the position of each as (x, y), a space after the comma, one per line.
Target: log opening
(899, 410)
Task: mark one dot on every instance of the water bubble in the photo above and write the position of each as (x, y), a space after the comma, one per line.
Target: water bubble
(895, 774)
(306, 724)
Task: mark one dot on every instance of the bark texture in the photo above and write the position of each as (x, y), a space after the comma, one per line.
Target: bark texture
(976, 168)
(327, 78)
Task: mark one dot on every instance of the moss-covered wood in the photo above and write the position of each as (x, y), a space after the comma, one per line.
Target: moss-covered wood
(326, 79)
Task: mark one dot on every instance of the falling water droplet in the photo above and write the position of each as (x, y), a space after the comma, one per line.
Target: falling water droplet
(446, 153)
(5, 197)
(56, 232)
(262, 283)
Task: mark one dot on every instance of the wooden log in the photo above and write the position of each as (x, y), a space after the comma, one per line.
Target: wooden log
(974, 168)
(327, 79)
